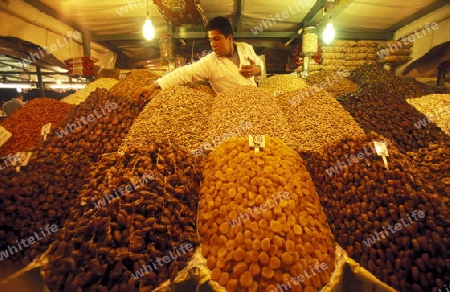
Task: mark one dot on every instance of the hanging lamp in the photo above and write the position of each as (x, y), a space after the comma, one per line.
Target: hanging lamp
(329, 32)
(148, 29)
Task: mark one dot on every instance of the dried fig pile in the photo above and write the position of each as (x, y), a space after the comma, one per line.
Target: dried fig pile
(362, 200)
(97, 126)
(380, 108)
(43, 192)
(260, 220)
(107, 242)
(433, 163)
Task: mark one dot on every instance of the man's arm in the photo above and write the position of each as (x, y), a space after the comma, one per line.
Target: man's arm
(198, 71)
(147, 91)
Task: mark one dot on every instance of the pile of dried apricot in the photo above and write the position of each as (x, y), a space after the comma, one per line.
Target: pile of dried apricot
(260, 220)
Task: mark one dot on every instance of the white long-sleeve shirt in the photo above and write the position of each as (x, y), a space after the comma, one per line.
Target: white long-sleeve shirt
(221, 72)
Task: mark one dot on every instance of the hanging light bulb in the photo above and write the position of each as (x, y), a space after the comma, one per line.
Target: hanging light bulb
(148, 29)
(329, 33)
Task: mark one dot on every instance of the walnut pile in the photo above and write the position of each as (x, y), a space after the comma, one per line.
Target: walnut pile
(245, 110)
(315, 118)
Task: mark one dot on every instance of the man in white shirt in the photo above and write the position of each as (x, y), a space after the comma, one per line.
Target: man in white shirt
(231, 63)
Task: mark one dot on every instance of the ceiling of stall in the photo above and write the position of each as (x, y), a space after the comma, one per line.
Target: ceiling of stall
(117, 24)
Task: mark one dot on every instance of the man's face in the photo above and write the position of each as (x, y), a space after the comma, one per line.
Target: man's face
(220, 44)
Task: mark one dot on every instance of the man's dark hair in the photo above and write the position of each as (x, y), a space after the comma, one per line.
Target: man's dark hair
(221, 24)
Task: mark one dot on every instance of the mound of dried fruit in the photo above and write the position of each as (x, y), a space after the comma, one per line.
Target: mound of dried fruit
(385, 219)
(41, 194)
(26, 123)
(433, 163)
(380, 108)
(334, 82)
(97, 126)
(139, 229)
(260, 221)
(405, 88)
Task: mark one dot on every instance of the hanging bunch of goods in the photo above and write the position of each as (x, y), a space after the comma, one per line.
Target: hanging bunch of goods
(82, 66)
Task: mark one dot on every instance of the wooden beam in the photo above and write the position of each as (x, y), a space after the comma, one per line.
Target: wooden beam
(306, 21)
(419, 14)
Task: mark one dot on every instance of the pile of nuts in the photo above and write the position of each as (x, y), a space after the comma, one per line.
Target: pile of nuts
(133, 81)
(433, 163)
(97, 126)
(202, 86)
(436, 107)
(364, 202)
(179, 112)
(380, 108)
(335, 83)
(315, 118)
(26, 123)
(282, 82)
(260, 220)
(136, 210)
(81, 95)
(247, 105)
(404, 88)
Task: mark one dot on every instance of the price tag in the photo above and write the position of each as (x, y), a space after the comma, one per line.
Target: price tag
(278, 92)
(4, 136)
(21, 159)
(257, 141)
(381, 149)
(46, 130)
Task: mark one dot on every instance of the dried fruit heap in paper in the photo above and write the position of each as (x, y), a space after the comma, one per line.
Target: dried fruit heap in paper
(385, 219)
(142, 208)
(260, 220)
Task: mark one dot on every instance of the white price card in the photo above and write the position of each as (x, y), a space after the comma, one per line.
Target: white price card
(46, 129)
(381, 149)
(4, 136)
(21, 159)
(257, 141)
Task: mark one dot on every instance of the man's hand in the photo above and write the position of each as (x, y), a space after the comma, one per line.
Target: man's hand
(145, 92)
(248, 71)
